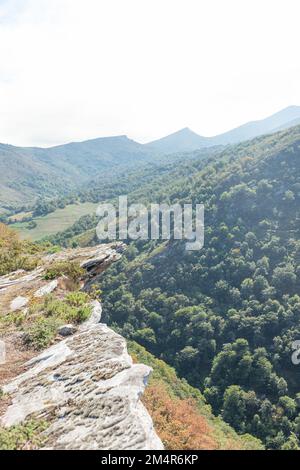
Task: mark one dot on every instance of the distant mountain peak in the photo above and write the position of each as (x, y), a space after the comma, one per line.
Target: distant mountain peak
(183, 131)
(182, 140)
(187, 131)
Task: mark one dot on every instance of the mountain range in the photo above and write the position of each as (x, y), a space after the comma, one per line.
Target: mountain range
(186, 140)
(30, 173)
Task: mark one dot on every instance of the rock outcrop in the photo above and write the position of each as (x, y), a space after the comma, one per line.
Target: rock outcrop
(85, 387)
(16, 289)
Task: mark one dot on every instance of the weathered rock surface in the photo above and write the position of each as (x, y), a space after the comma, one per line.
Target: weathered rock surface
(85, 386)
(90, 391)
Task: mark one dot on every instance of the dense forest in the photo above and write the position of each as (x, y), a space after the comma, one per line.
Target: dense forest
(225, 316)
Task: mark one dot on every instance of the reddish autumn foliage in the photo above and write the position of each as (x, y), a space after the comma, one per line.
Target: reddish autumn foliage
(177, 422)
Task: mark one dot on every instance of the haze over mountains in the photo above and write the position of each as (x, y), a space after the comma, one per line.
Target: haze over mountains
(187, 140)
(29, 173)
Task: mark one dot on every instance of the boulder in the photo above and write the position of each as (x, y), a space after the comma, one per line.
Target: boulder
(18, 303)
(47, 289)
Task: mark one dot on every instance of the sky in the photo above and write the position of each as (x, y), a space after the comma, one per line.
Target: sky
(72, 70)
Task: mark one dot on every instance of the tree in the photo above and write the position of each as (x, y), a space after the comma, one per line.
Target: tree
(234, 407)
(284, 278)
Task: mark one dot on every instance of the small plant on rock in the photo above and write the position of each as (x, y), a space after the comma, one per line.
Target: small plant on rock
(77, 299)
(52, 313)
(41, 333)
(71, 269)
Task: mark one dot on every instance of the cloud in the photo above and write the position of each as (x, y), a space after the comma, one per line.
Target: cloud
(77, 69)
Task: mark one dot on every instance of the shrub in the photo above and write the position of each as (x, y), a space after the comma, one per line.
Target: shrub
(31, 225)
(15, 254)
(77, 299)
(95, 292)
(41, 333)
(71, 269)
(47, 316)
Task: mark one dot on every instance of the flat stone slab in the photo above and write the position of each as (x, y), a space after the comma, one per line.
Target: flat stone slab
(85, 386)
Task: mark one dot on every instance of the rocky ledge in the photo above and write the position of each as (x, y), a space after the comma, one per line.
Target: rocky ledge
(85, 387)
(16, 289)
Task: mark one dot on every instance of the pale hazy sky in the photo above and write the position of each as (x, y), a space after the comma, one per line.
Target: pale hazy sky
(79, 69)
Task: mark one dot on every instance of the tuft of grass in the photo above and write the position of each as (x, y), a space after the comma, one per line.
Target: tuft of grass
(46, 317)
(54, 222)
(77, 299)
(23, 436)
(12, 319)
(41, 333)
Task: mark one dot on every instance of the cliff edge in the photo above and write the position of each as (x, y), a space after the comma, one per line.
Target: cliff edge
(84, 386)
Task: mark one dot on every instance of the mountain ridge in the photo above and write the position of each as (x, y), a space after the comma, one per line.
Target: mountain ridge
(28, 174)
(182, 140)
(283, 119)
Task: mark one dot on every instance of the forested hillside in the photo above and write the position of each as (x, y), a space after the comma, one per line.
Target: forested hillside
(180, 414)
(181, 417)
(226, 316)
(28, 174)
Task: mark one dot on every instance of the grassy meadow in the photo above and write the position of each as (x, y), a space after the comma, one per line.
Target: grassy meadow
(54, 222)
